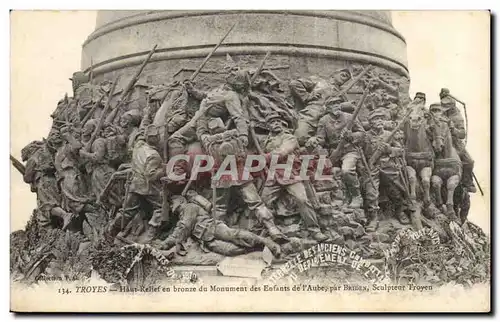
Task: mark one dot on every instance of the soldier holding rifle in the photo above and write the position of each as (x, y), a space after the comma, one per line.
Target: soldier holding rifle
(145, 191)
(281, 144)
(332, 129)
(459, 133)
(376, 141)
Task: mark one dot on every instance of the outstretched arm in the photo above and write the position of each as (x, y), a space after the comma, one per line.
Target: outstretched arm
(235, 109)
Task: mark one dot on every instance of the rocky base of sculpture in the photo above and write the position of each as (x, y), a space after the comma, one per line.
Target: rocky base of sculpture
(400, 253)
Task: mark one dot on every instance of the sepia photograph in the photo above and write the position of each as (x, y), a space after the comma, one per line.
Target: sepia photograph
(250, 161)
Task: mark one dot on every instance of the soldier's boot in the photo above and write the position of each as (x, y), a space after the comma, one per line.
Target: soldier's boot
(166, 244)
(266, 217)
(317, 235)
(150, 234)
(336, 237)
(467, 179)
(153, 228)
(127, 227)
(273, 246)
(353, 186)
(275, 234)
(374, 220)
(67, 217)
(117, 225)
(401, 215)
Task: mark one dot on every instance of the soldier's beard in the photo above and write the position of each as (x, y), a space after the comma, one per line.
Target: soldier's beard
(153, 142)
(336, 113)
(277, 130)
(379, 126)
(86, 136)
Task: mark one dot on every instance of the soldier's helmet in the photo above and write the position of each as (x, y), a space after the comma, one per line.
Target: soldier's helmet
(444, 92)
(239, 78)
(333, 103)
(419, 95)
(272, 116)
(380, 113)
(276, 116)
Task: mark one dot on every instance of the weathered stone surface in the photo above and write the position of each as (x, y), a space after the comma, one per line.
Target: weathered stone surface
(304, 40)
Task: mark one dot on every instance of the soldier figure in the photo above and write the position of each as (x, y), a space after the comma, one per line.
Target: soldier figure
(70, 178)
(77, 80)
(281, 143)
(85, 95)
(310, 95)
(230, 102)
(457, 129)
(40, 174)
(194, 220)
(116, 146)
(331, 130)
(374, 140)
(145, 190)
(129, 124)
(399, 179)
(96, 162)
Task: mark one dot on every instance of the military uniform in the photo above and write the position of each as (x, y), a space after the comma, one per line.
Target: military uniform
(70, 178)
(457, 127)
(284, 144)
(130, 123)
(400, 180)
(40, 174)
(226, 103)
(86, 96)
(329, 133)
(385, 167)
(145, 186)
(116, 146)
(178, 114)
(195, 221)
(96, 162)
